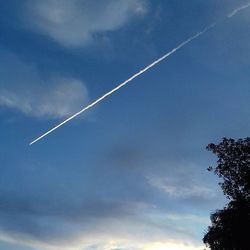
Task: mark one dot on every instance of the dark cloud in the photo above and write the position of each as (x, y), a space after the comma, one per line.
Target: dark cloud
(10, 246)
(45, 220)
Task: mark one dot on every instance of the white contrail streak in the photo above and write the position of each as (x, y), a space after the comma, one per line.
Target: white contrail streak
(126, 82)
(234, 12)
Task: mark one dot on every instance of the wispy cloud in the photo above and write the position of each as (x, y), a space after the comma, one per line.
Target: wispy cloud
(22, 89)
(177, 187)
(234, 12)
(75, 23)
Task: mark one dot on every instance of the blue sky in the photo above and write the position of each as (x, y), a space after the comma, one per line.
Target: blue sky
(129, 174)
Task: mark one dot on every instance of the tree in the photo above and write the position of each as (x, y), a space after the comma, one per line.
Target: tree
(230, 225)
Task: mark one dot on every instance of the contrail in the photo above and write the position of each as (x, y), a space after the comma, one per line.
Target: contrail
(126, 81)
(234, 12)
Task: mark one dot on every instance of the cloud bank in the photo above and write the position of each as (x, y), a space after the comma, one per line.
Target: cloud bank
(75, 23)
(106, 227)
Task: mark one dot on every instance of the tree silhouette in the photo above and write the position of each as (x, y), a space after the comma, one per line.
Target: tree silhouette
(230, 225)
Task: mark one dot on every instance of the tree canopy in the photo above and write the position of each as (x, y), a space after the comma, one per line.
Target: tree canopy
(230, 225)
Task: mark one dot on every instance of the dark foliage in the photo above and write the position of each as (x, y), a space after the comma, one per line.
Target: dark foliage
(230, 225)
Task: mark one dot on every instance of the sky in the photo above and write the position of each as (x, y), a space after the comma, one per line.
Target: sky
(130, 173)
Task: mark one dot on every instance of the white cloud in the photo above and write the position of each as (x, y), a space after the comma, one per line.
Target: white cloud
(76, 22)
(21, 88)
(62, 98)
